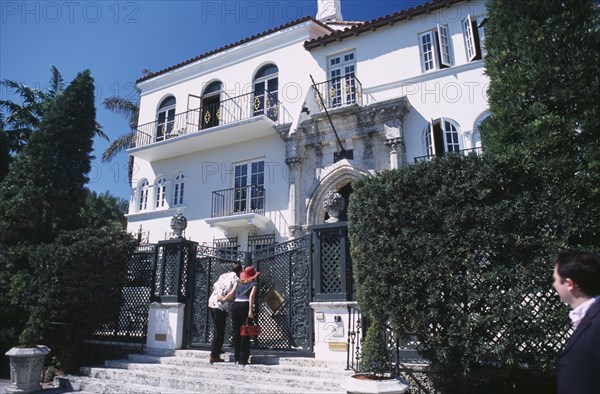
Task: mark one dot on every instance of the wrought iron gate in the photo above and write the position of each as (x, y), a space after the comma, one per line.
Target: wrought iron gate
(283, 297)
(284, 294)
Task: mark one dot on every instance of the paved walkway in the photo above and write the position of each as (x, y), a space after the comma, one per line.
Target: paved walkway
(5, 383)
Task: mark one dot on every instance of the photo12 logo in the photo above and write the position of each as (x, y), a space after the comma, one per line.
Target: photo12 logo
(69, 11)
(251, 11)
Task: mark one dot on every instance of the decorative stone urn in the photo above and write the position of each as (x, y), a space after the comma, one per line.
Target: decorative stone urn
(178, 224)
(26, 364)
(333, 205)
(363, 384)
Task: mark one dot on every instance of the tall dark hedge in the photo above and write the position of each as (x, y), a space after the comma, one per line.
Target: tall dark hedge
(454, 251)
(63, 250)
(544, 95)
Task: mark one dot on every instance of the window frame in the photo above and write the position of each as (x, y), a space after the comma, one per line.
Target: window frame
(211, 105)
(179, 189)
(160, 195)
(341, 68)
(165, 126)
(474, 37)
(435, 48)
(437, 135)
(265, 92)
(249, 174)
(143, 194)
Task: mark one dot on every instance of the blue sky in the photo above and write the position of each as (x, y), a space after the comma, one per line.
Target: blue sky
(116, 40)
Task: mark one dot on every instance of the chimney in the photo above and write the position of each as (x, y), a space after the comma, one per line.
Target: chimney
(329, 10)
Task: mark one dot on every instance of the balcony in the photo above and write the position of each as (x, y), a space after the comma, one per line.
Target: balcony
(229, 121)
(463, 152)
(339, 92)
(238, 207)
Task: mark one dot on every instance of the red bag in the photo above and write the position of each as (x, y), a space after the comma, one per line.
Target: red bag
(250, 330)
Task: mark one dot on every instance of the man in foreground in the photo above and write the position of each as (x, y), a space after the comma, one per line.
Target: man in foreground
(577, 282)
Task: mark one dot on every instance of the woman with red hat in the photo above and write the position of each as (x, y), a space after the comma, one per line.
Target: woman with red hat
(242, 312)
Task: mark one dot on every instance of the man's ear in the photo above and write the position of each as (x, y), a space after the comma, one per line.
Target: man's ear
(571, 286)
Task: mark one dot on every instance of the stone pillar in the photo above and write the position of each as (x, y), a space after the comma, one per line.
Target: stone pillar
(165, 325)
(331, 320)
(293, 164)
(395, 145)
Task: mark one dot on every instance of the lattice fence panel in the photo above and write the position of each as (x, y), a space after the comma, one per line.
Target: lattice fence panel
(131, 324)
(275, 319)
(331, 252)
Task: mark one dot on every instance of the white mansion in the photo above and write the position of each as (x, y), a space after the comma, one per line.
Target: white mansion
(247, 140)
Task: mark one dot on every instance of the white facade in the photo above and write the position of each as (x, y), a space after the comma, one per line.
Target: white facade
(390, 100)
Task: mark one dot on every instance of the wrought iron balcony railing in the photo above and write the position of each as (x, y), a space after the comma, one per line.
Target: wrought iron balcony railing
(237, 201)
(223, 112)
(339, 92)
(464, 152)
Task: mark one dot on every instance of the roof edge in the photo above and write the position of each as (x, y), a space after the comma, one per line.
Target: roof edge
(380, 22)
(233, 45)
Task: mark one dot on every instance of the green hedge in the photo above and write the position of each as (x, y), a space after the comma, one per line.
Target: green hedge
(458, 251)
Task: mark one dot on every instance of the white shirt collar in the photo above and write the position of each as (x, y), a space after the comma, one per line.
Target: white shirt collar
(578, 313)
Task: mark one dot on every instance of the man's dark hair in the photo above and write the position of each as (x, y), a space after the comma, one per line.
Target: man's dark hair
(583, 268)
(237, 268)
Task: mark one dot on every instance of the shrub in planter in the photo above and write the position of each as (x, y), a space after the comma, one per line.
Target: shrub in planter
(374, 367)
(374, 354)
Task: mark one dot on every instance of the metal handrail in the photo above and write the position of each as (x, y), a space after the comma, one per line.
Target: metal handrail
(238, 200)
(224, 112)
(464, 152)
(339, 92)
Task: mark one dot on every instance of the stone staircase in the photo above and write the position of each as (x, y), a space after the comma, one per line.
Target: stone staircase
(188, 371)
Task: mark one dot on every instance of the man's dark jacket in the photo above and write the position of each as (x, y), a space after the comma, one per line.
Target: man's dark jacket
(578, 370)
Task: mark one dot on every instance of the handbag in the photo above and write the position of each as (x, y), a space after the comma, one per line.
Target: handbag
(250, 330)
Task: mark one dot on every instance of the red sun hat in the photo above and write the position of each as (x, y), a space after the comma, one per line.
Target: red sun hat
(249, 274)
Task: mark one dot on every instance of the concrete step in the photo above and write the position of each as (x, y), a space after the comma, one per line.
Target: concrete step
(165, 382)
(293, 367)
(188, 371)
(86, 384)
(273, 375)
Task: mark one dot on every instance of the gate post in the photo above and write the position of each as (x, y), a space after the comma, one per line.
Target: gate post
(170, 294)
(334, 292)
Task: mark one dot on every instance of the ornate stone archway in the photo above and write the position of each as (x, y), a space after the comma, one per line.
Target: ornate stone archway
(334, 178)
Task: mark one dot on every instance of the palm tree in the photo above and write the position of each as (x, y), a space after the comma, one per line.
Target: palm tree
(24, 118)
(129, 109)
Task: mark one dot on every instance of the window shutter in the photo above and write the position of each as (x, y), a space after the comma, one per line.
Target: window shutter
(432, 137)
(444, 45)
(469, 27)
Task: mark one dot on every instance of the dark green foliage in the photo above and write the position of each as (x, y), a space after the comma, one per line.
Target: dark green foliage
(454, 251)
(63, 249)
(4, 154)
(374, 353)
(104, 210)
(44, 191)
(544, 95)
(78, 277)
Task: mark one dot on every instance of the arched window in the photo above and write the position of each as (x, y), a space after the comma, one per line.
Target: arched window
(211, 105)
(441, 136)
(266, 92)
(165, 118)
(143, 195)
(160, 189)
(178, 189)
(476, 138)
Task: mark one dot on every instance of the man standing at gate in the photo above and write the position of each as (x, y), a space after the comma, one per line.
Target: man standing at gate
(577, 282)
(218, 309)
